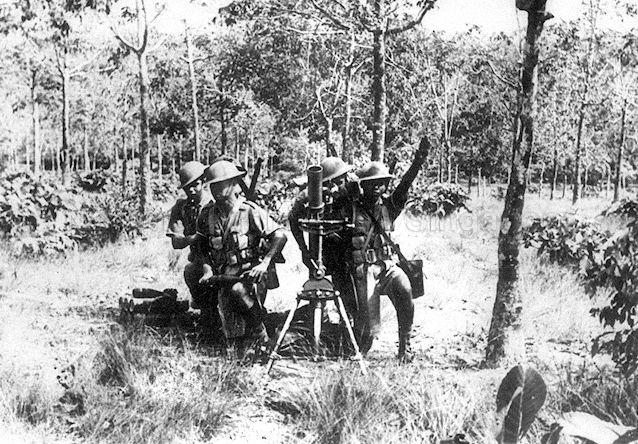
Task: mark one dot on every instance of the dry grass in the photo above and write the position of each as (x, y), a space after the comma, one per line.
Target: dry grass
(69, 373)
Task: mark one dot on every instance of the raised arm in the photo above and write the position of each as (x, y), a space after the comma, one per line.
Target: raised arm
(400, 195)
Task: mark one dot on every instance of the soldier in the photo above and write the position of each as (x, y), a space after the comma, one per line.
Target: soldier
(374, 258)
(182, 231)
(242, 241)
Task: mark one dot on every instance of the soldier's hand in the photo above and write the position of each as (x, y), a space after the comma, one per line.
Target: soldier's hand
(208, 274)
(424, 148)
(259, 272)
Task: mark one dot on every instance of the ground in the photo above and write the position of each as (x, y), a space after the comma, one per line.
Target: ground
(71, 373)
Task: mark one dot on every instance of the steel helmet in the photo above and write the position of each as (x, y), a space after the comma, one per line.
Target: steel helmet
(222, 170)
(190, 172)
(333, 167)
(374, 171)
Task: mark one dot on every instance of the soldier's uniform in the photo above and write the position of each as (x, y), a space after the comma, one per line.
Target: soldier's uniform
(183, 222)
(235, 243)
(376, 264)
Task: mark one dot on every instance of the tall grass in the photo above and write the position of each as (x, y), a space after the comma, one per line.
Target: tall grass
(394, 404)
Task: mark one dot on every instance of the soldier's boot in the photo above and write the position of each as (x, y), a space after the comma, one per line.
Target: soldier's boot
(405, 355)
(258, 334)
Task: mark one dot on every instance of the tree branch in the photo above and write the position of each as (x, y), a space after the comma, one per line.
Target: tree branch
(501, 78)
(427, 6)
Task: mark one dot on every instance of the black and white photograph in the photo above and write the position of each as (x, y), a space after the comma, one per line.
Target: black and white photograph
(319, 221)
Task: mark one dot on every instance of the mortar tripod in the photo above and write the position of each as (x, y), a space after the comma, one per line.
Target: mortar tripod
(317, 291)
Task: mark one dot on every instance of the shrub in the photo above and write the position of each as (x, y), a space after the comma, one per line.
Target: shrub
(95, 181)
(438, 199)
(40, 216)
(616, 267)
(563, 240)
(624, 207)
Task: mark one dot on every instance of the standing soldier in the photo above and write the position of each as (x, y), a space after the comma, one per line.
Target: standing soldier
(241, 244)
(182, 231)
(374, 257)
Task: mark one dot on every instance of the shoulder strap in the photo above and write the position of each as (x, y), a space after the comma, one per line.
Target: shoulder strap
(381, 231)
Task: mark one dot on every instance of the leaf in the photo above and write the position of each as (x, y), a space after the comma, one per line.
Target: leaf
(586, 426)
(520, 396)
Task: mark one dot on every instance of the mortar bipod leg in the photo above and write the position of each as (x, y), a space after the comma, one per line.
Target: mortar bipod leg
(280, 339)
(357, 353)
(316, 327)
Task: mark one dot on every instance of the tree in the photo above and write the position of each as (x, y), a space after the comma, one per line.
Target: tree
(503, 337)
(139, 46)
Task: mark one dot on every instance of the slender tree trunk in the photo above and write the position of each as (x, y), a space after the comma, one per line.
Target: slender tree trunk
(193, 81)
(66, 155)
(35, 116)
(554, 173)
(222, 119)
(469, 181)
(579, 135)
(145, 135)
(58, 165)
(608, 181)
(586, 181)
(456, 174)
(87, 162)
(480, 183)
(378, 87)
(346, 150)
(116, 157)
(540, 180)
(159, 156)
(173, 170)
(505, 339)
(619, 155)
(564, 183)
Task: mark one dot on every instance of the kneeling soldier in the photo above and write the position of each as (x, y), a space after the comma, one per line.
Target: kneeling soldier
(375, 262)
(241, 242)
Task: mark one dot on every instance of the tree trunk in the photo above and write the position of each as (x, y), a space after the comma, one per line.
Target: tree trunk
(173, 161)
(504, 339)
(65, 153)
(480, 183)
(159, 156)
(456, 174)
(469, 181)
(619, 155)
(585, 182)
(564, 183)
(116, 157)
(222, 119)
(378, 87)
(87, 162)
(579, 135)
(540, 180)
(346, 149)
(35, 116)
(145, 134)
(554, 173)
(193, 81)
(124, 171)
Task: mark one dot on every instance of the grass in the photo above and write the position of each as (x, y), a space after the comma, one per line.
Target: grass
(70, 373)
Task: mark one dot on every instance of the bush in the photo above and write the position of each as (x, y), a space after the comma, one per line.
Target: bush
(39, 216)
(616, 267)
(95, 181)
(563, 240)
(438, 199)
(624, 207)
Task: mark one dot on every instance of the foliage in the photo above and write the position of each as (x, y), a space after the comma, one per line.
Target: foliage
(564, 240)
(41, 217)
(95, 180)
(624, 207)
(438, 199)
(616, 268)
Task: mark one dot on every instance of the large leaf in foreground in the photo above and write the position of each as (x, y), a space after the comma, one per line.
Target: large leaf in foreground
(520, 396)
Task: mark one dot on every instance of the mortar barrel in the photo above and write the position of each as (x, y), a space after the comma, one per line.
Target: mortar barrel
(315, 197)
